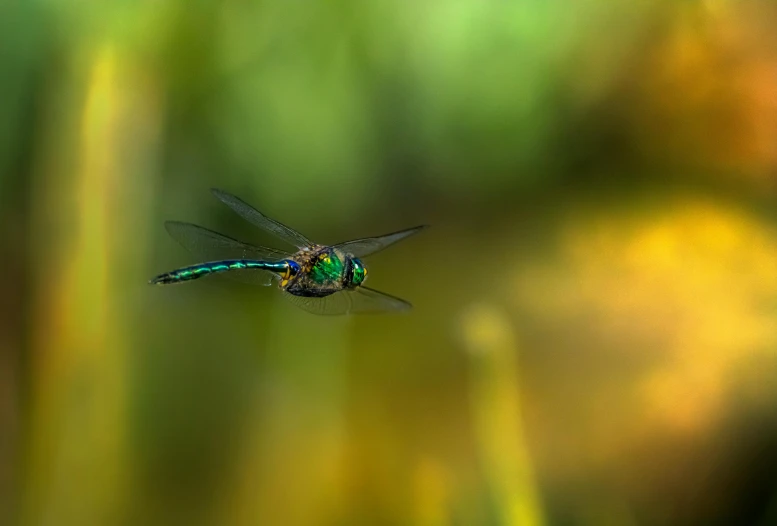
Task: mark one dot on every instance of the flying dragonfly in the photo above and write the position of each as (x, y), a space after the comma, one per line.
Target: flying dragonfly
(320, 279)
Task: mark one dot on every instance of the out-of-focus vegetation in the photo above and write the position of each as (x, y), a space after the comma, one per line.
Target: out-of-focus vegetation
(595, 332)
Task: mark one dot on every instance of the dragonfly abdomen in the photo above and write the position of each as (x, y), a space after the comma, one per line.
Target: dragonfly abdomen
(205, 269)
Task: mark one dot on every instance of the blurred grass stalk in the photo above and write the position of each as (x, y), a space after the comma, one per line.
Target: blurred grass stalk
(292, 467)
(497, 416)
(77, 468)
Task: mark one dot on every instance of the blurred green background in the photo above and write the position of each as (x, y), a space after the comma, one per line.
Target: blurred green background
(595, 327)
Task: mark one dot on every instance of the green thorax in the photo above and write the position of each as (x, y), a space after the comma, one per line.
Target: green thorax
(328, 267)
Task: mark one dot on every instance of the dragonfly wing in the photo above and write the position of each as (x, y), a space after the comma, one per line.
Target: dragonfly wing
(254, 216)
(334, 304)
(365, 299)
(361, 300)
(252, 276)
(370, 245)
(210, 246)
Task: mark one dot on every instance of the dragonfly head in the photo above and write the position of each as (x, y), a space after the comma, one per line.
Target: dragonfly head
(290, 272)
(359, 272)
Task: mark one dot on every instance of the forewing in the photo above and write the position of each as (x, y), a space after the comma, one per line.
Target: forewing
(254, 216)
(365, 299)
(332, 305)
(361, 300)
(370, 245)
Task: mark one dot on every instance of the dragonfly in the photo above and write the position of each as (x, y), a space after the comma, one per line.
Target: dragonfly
(320, 279)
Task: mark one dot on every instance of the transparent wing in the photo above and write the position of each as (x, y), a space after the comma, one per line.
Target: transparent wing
(251, 276)
(212, 246)
(365, 299)
(332, 305)
(254, 216)
(361, 300)
(370, 245)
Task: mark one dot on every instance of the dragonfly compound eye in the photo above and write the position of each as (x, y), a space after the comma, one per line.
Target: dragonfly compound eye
(359, 272)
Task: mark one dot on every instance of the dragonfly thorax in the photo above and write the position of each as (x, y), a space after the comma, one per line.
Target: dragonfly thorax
(322, 271)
